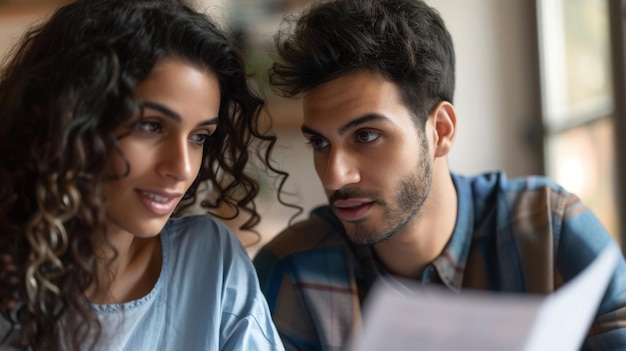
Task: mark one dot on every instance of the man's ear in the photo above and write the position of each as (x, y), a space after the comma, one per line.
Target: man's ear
(443, 120)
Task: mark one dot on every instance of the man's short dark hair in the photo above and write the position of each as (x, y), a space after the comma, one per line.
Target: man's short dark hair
(405, 41)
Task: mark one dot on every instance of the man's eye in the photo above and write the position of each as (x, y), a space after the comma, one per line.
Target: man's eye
(318, 143)
(366, 136)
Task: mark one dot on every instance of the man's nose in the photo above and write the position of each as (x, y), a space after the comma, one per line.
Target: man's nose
(341, 170)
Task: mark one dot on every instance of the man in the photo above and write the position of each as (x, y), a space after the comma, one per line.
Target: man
(376, 78)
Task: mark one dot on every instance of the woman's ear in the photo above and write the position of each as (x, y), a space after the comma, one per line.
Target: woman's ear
(443, 120)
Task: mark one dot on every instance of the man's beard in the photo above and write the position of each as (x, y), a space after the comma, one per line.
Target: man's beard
(408, 198)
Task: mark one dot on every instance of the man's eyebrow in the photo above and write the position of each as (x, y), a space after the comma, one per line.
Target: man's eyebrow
(307, 130)
(350, 125)
(173, 115)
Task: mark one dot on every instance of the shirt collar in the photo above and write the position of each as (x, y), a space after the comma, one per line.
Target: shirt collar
(450, 265)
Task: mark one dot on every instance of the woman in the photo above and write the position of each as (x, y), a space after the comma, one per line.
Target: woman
(113, 114)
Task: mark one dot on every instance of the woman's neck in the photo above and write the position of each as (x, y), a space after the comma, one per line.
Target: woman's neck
(128, 268)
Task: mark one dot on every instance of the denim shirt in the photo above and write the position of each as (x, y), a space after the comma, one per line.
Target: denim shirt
(525, 235)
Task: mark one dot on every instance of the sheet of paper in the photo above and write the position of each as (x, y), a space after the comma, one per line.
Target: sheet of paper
(566, 315)
(403, 315)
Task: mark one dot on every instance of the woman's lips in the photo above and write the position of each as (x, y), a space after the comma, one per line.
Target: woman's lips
(161, 204)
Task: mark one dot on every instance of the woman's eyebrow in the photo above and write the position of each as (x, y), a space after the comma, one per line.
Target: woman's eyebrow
(175, 116)
(163, 109)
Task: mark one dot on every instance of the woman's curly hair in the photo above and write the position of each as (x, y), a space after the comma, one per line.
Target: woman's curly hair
(65, 89)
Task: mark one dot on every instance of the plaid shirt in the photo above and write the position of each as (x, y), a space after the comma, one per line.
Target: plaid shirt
(524, 235)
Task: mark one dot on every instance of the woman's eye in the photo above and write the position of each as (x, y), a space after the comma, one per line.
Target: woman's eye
(200, 138)
(318, 143)
(367, 136)
(150, 127)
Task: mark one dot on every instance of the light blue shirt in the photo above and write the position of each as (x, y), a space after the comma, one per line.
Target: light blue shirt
(207, 297)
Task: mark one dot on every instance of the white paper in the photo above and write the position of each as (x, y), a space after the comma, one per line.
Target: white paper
(566, 315)
(401, 315)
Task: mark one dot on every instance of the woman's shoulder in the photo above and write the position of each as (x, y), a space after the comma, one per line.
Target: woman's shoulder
(177, 223)
(200, 235)
(203, 226)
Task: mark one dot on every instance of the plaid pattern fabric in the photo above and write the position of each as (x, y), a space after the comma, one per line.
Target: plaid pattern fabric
(525, 235)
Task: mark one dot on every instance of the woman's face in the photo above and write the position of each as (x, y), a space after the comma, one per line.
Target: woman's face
(163, 147)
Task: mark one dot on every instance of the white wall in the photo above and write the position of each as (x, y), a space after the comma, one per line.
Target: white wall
(13, 21)
(496, 98)
(496, 79)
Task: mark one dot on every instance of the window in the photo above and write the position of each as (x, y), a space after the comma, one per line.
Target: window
(578, 103)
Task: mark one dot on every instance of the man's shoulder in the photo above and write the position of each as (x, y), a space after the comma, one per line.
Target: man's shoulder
(320, 231)
(499, 180)
(495, 187)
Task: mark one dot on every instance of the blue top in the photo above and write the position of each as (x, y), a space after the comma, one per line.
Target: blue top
(207, 297)
(525, 235)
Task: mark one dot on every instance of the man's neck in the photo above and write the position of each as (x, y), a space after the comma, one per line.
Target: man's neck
(413, 248)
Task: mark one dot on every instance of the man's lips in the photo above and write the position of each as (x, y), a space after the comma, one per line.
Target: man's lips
(352, 209)
(351, 203)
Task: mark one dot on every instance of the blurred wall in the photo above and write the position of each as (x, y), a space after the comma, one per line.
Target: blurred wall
(496, 98)
(16, 16)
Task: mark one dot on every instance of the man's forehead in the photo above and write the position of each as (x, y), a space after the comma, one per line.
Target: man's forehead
(353, 94)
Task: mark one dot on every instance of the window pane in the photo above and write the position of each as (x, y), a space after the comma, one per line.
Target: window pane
(575, 59)
(581, 159)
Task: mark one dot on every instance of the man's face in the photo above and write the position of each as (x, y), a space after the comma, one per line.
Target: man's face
(372, 159)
